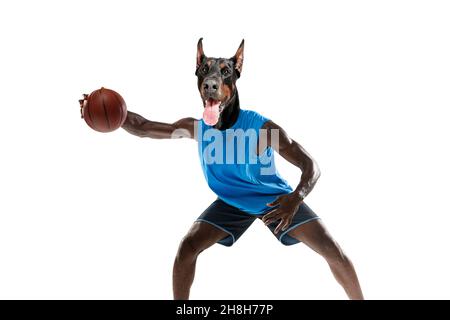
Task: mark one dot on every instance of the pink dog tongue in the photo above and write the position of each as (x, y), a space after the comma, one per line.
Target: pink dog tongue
(211, 112)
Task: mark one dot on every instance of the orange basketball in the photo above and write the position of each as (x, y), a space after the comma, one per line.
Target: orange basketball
(105, 110)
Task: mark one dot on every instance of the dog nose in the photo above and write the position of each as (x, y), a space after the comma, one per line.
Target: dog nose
(210, 85)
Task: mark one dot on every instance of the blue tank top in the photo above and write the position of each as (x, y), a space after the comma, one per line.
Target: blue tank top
(232, 168)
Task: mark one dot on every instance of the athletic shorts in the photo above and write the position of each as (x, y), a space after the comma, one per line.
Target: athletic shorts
(235, 222)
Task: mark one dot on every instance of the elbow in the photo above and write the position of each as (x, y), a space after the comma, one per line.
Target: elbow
(316, 170)
(313, 168)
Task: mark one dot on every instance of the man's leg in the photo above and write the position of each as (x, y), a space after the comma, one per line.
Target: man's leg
(315, 235)
(200, 237)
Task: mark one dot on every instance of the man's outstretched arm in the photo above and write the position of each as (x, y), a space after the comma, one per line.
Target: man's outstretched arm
(141, 127)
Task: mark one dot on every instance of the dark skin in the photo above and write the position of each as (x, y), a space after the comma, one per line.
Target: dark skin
(222, 74)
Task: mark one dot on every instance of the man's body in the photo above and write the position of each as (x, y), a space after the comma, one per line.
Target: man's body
(232, 213)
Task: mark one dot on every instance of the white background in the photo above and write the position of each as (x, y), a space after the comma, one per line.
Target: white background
(363, 85)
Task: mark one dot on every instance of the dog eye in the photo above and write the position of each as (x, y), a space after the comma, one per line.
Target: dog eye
(205, 69)
(225, 72)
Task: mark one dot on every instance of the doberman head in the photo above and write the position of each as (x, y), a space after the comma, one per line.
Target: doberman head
(217, 85)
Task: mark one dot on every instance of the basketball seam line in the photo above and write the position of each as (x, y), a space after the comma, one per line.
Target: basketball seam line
(120, 103)
(104, 110)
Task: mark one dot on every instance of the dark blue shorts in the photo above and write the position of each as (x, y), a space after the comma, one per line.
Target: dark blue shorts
(235, 222)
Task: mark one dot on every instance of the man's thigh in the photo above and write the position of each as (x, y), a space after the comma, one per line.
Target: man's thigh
(227, 218)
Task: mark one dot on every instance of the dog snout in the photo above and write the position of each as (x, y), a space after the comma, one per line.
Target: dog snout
(210, 86)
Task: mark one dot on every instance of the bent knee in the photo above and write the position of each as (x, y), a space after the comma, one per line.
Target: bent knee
(189, 248)
(333, 253)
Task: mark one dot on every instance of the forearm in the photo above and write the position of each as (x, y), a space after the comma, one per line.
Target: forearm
(309, 177)
(293, 152)
(136, 124)
(141, 127)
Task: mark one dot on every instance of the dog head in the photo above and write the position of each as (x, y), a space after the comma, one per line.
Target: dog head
(216, 80)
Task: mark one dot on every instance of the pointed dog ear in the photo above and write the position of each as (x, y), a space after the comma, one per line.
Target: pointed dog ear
(238, 58)
(200, 54)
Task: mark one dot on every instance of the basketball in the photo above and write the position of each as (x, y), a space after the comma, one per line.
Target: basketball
(104, 110)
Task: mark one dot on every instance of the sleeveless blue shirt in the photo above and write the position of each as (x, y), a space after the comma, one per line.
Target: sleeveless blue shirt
(232, 168)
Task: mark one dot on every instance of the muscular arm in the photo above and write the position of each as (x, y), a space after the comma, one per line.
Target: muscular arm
(293, 152)
(288, 204)
(141, 127)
